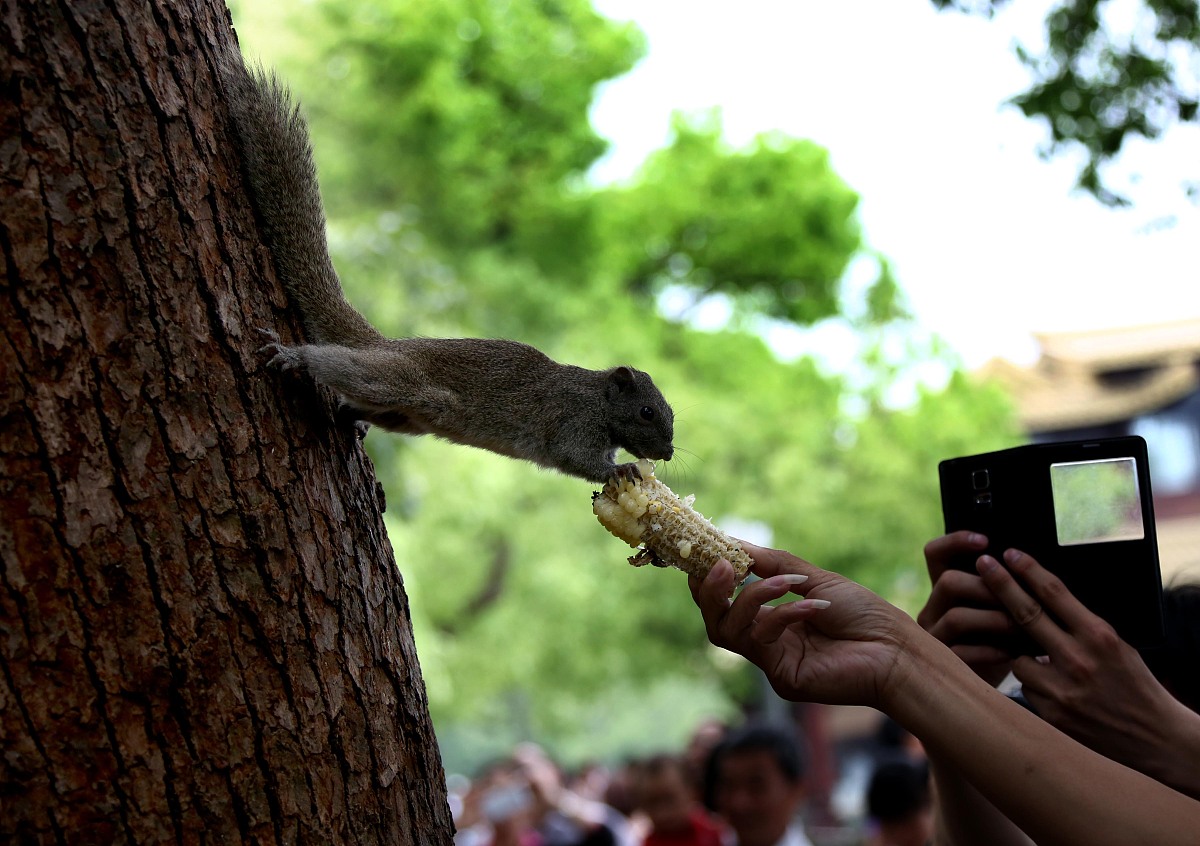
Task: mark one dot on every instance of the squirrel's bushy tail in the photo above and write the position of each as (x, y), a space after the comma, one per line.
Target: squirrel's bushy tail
(277, 161)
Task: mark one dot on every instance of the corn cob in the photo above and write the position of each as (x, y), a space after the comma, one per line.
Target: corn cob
(668, 532)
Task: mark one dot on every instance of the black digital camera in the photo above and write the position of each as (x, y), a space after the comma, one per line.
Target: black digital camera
(1083, 509)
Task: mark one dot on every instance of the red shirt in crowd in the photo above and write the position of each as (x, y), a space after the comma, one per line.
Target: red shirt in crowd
(700, 831)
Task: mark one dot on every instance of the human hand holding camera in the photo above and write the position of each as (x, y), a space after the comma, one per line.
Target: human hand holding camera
(961, 612)
(1089, 683)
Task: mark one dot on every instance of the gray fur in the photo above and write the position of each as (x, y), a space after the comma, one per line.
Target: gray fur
(499, 395)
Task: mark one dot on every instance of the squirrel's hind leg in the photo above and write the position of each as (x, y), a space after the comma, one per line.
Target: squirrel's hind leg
(392, 420)
(377, 385)
(349, 416)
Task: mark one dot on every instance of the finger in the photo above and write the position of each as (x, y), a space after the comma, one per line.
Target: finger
(980, 654)
(749, 603)
(775, 562)
(1037, 680)
(941, 552)
(1049, 590)
(954, 589)
(971, 625)
(711, 595)
(1026, 611)
(773, 622)
(772, 562)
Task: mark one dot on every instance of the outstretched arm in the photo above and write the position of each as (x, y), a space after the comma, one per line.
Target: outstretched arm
(863, 650)
(963, 614)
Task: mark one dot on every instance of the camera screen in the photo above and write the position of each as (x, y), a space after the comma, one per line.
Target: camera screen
(1096, 501)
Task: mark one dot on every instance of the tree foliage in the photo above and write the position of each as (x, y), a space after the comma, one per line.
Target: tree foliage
(491, 101)
(458, 208)
(1096, 87)
(725, 221)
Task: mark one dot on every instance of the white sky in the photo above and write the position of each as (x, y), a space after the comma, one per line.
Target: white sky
(987, 240)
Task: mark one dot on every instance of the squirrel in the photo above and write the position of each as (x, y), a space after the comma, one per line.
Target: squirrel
(500, 395)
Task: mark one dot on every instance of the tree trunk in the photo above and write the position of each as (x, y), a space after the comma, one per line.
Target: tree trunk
(203, 634)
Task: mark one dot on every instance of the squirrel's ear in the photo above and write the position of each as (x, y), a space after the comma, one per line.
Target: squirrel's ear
(620, 380)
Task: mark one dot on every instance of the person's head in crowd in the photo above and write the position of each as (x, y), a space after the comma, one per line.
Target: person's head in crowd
(1176, 664)
(758, 782)
(561, 816)
(621, 792)
(590, 780)
(499, 805)
(899, 803)
(664, 794)
(542, 772)
(697, 756)
(896, 740)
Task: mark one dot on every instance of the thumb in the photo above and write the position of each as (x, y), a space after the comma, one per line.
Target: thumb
(773, 562)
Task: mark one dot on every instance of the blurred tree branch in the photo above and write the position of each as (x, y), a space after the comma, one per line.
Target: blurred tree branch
(1096, 87)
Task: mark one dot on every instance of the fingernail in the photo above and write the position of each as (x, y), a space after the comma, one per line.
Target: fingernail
(819, 603)
(986, 564)
(977, 539)
(792, 578)
(1012, 555)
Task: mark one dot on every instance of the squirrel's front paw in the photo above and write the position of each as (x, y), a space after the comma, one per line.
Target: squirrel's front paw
(282, 357)
(627, 472)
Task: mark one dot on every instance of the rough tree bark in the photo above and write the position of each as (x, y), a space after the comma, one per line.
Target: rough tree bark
(203, 634)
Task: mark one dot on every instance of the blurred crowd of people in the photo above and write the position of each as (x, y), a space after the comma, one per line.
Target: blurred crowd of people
(1098, 719)
(740, 785)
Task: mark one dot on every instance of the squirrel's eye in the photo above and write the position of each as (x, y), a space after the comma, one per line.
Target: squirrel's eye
(647, 412)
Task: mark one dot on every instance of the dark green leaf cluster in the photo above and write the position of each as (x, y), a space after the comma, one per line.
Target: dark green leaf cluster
(772, 225)
(1095, 88)
(490, 99)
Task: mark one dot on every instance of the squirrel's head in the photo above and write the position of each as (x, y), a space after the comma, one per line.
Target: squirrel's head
(641, 421)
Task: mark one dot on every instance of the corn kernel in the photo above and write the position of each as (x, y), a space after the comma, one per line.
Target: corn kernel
(667, 530)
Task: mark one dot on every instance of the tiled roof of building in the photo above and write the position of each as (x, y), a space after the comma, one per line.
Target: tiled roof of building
(1179, 549)
(1126, 347)
(1093, 378)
